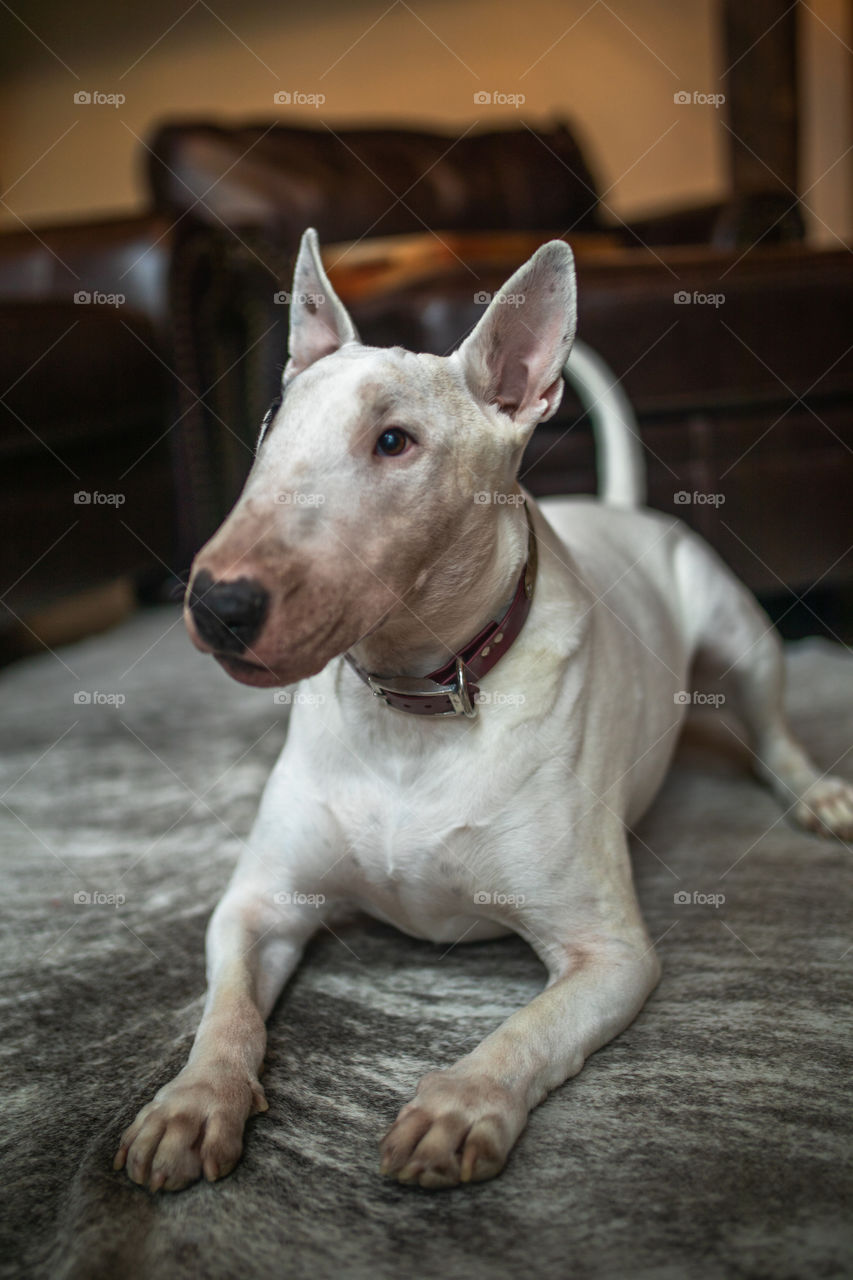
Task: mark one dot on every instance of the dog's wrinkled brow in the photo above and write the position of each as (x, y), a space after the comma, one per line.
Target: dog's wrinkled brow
(380, 407)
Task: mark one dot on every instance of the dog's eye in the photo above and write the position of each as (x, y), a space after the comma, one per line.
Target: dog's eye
(392, 443)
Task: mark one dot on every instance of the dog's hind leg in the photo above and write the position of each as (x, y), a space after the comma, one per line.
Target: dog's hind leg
(740, 653)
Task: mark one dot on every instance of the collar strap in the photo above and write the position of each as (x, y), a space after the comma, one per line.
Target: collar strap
(450, 690)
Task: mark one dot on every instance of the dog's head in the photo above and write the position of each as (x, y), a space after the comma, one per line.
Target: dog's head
(371, 502)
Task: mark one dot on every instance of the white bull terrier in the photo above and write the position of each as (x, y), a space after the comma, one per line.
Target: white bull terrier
(491, 795)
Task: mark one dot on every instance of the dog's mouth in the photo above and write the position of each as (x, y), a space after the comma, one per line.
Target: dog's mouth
(284, 667)
(251, 673)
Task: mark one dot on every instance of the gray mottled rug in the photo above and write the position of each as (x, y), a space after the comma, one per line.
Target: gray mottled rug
(711, 1139)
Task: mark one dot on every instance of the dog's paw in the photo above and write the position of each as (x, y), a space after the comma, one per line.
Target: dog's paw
(827, 808)
(460, 1127)
(192, 1127)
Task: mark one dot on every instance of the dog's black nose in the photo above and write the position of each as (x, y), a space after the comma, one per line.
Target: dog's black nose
(227, 615)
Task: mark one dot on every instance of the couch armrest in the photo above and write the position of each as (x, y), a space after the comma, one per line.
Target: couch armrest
(126, 257)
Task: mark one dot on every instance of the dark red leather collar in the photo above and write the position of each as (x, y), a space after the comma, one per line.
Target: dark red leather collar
(450, 690)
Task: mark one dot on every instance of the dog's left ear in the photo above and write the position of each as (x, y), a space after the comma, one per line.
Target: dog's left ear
(319, 321)
(515, 356)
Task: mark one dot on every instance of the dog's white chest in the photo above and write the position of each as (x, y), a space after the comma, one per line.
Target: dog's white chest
(410, 868)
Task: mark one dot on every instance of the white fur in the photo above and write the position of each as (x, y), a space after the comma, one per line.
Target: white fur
(454, 829)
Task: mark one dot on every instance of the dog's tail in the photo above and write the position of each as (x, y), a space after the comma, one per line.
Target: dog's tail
(619, 451)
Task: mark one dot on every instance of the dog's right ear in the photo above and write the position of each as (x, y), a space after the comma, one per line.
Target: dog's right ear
(319, 321)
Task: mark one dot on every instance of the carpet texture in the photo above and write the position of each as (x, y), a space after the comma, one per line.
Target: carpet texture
(711, 1139)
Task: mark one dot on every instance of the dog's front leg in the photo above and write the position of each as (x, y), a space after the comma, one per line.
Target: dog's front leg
(194, 1125)
(463, 1121)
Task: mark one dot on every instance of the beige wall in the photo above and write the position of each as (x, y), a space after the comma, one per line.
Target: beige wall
(826, 178)
(612, 68)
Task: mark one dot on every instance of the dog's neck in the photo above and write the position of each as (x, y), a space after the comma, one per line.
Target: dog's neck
(465, 589)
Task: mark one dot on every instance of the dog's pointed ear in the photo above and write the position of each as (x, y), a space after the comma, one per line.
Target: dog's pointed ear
(319, 321)
(515, 356)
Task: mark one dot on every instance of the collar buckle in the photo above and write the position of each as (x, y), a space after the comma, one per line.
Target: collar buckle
(460, 694)
(421, 689)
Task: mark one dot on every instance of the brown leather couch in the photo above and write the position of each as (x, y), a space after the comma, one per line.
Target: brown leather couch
(87, 476)
(747, 397)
